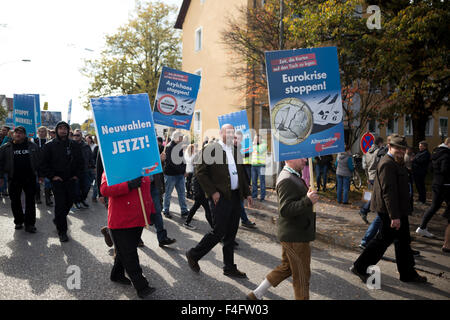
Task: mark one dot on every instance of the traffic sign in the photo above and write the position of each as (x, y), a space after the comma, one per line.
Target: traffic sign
(367, 141)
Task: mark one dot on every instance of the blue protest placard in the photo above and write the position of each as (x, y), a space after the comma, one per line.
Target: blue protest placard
(305, 102)
(127, 138)
(175, 98)
(37, 104)
(25, 113)
(239, 121)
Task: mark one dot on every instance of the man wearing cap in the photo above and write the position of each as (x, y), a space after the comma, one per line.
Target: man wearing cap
(390, 199)
(19, 158)
(62, 163)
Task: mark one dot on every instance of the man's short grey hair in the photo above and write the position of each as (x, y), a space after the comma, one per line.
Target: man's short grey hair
(176, 135)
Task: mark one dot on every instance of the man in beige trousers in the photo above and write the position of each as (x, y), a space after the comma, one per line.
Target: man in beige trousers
(296, 229)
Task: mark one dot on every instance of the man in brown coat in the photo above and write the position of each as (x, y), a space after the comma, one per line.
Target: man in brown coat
(221, 175)
(390, 199)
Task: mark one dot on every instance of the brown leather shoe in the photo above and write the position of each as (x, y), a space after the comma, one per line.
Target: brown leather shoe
(107, 236)
(251, 296)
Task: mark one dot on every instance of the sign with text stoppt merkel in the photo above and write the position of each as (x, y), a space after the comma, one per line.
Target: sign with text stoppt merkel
(175, 98)
(25, 113)
(305, 102)
(127, 138)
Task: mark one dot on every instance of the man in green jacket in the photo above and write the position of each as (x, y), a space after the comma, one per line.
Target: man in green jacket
(296, 229)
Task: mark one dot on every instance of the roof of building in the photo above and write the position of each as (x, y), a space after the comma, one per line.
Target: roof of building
(182, 14)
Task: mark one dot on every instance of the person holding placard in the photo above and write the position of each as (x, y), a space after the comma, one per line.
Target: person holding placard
(126, 223)
(296, 229)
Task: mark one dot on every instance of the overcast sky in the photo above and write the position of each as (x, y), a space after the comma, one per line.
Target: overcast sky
(56, 35)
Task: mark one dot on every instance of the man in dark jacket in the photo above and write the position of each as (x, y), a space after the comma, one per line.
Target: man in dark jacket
(390, 199)
(174, 170)
(420, 167)
(19, 158)
(62, 163)
(440, 186)
(296, 229)
(222, 177)
(83, 185)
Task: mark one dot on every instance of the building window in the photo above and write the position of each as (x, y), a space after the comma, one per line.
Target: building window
(429, 127)
(372, 127)
(443, 127)
(197, 121)
(408, 129)
(198, 39)
(199, 73)
(392, 127)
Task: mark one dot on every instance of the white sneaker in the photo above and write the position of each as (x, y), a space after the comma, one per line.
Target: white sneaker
(424, 233)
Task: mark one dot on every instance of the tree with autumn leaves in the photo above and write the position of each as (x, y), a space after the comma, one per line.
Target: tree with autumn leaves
(134, 56)
(402, 68)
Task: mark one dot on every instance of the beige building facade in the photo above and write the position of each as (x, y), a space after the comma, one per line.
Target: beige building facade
(202, 22)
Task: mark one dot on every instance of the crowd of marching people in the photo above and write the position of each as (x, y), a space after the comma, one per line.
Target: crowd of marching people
(67, 164)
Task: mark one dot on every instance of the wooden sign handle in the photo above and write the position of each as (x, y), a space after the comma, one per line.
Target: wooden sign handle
(311, 173)
(147, 226)
(311, 177)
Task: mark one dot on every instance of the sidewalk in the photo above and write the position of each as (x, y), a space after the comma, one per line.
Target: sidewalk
(341, 225)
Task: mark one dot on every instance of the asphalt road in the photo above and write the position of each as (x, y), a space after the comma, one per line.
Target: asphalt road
(38, 266)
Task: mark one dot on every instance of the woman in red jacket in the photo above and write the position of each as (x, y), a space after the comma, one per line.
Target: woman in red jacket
(126, 222)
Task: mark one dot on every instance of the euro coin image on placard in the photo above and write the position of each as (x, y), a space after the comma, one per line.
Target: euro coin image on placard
(292, 120)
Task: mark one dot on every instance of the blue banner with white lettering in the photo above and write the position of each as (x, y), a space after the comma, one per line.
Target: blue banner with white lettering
(25, 113)
(239, 121)
(305, 102)
(127, 137)
(175, 98)
(37, 104)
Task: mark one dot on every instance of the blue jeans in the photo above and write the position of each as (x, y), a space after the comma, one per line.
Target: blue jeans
(47, 183)
(82, 186)
(94, 186)
(244, 217)
(258, 172)
(365, 209)
(372, 230)
(178, 183)
(322, 172)
(161, 233)
(4, 188)
(343, 187)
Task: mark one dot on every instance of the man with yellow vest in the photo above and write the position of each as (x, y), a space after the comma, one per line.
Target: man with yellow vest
(258, 162)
